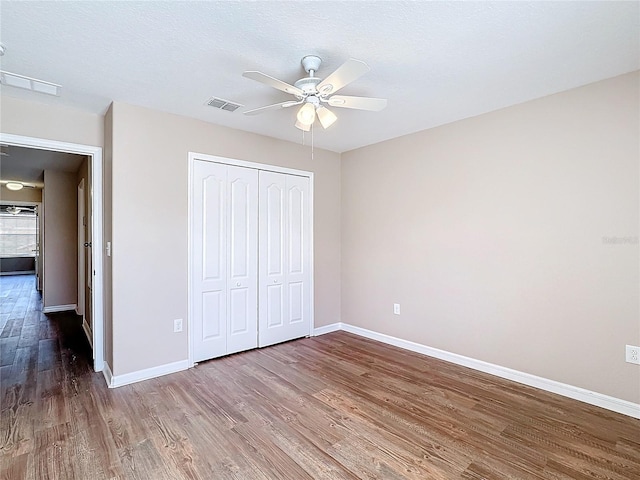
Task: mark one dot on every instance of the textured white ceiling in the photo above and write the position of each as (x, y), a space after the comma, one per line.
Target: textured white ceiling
(436, 62)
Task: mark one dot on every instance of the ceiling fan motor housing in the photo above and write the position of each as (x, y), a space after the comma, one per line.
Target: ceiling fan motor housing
(311, 63)
(308, 85)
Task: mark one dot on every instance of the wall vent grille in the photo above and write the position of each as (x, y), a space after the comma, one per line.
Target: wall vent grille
(223, 104)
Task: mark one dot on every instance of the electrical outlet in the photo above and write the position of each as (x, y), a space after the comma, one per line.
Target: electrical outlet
(396, 309)
(633, 354)
(177, 325)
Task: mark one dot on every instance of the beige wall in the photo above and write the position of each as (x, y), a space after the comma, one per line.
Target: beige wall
(24, 195)
(60, 238)
(489, 233)
(32, 119)
(150, 221)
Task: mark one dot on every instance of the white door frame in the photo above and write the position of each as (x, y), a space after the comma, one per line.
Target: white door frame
(95, 184)
(193, 156)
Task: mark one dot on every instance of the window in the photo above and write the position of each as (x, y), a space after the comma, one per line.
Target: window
(18, 235)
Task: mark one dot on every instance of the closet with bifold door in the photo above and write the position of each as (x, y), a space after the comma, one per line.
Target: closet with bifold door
(250, 258)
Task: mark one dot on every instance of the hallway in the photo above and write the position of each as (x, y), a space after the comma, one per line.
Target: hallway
(42, 358)
(28, 333)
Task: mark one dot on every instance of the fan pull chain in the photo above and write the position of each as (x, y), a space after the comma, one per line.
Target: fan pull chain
(303, 142)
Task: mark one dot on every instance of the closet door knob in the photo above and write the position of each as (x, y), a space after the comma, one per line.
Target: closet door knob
(238, 284)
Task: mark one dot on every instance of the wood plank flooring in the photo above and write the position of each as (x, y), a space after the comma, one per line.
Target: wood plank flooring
(332, 407)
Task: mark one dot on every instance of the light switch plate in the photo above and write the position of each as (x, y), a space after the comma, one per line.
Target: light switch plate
(177, 325)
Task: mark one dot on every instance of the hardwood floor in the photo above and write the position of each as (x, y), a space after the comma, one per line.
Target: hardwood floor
(331, 407)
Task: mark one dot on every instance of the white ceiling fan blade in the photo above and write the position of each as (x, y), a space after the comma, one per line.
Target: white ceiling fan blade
(272, 82)
(346, 73)
(275, 106)
(359, 103)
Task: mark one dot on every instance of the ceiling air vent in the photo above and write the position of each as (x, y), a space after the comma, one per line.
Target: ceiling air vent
(28, 83)
(223, 104)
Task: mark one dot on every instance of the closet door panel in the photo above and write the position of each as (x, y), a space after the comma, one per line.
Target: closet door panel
(284, 258)
(296, 302)
(295, 222)
(209, 268)
(272, 213)
(243, 259)
(271, 257)
(274, 314)
(213, 309)
(298, 271)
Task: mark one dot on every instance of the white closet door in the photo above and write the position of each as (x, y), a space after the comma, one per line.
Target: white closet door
(224, 236)
(209, 281)
(242, 257)
(284, 258)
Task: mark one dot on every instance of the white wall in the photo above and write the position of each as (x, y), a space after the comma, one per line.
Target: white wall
(491, 233)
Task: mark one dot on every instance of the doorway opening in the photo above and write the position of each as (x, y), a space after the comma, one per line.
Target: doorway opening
(94, 261)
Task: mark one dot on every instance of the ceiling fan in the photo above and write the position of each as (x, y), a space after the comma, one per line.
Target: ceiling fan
(16, 210)
(314, 94)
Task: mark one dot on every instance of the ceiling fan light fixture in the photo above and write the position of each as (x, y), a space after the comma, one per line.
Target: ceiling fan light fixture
(302, 126)
(326, 117)
(15, 186)
(307, 114)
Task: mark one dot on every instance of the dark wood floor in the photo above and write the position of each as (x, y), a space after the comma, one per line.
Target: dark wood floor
(332, 407)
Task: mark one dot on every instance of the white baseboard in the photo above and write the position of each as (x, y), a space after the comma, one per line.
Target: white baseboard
(334, 327)
(108, 376)
(87, 331)
(59, 308)
(587, 396)
(120, 380)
